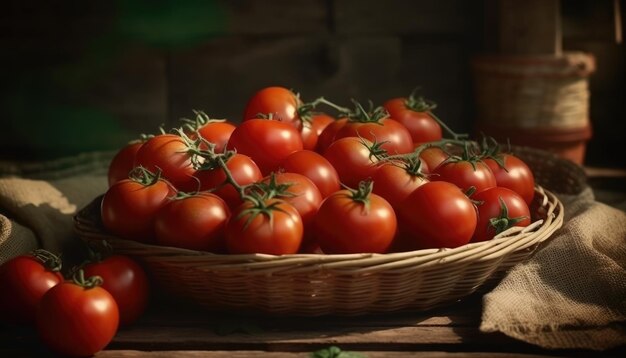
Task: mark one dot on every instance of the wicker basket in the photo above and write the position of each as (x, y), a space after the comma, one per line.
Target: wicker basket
(354, 284)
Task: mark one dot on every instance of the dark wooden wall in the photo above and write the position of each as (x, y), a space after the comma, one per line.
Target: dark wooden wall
(81, 75)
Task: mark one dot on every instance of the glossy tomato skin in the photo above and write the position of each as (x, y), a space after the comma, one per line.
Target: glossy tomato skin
(123, 162)
(352, 160)
(421, 125)
(489, 207)
(345, 226)
(315, 167)
(309, 136)
(168, 153)
(327, 136)
(195, 222)
(319, 122)
(280, 102)
(432, 157)
(75, 321)
(395, 183)
(435, 215)
(267, 142)
(23, 282)
(516, 175)
(243, 170)
(465, 175)
(395, 138)
(128, 208)
(217, 133)
(282, 235)
(126, 281)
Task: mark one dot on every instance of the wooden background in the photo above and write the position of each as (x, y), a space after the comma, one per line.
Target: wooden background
(78, 75)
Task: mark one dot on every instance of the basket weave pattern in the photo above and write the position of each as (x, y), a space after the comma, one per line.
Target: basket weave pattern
(352, 284)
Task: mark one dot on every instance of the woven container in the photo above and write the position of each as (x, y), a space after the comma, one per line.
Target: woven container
(353, 284)
(538, 101)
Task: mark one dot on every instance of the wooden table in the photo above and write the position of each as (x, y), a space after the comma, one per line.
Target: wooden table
(170, 329)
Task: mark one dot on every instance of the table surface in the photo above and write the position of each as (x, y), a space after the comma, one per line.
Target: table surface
(170, 328)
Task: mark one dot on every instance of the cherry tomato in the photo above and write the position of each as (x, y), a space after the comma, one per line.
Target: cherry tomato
(77, 321)
(437, 214)
(309, 136)
(420, 123)
(300, 192)
(195, 222)
(126, 281)
(432, 157)
(394, 181)
(354, 222)
(319, 122)
(515, 175)
(465, 174)
(499, 209)
(274, 228)
(315, 167)
(243, 170)
(352, 159)
(327, 136)
(23, 282)
(129, 207)
(170, 154)
(123, 162)
(218, 133)
(280, 102)
(267, 142)
(393, 136)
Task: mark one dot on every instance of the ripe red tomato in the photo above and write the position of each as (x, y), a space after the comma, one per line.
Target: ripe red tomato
(300, 192)
(465, 174)
(319, 122)
(123, 162)
(327, 136)
(170, 154)
(267, 142)
(393, 136)
(77, 321)
(272, 227)
(23, 282)
(418, 120)
(432, 157)
(499, 209)
(394, 181)
(515, 175)
(352, 159)
(126, 281)
(437, 214)
(195, 222)
(129, 207)
(218, 133)
(315, 167)
(354, 222)
(309, 136)
(243, 170)
(280, 102)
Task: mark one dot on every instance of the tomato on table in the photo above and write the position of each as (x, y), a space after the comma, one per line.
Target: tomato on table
(23, 282)
(77, 318)
(126, 281)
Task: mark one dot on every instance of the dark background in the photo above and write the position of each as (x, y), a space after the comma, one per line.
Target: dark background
(78, 76)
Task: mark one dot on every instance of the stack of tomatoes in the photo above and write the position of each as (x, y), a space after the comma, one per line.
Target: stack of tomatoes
(77, 316)
(290, 178)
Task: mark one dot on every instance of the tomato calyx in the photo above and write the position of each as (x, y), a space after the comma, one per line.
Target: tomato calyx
(419, 103)
(260, 206)
(467, 155)
(144, 176)
(411, 164)
(359, 114)
(362, 193)
(503, 221)
(491, 149)
(87, 283)
(272, 189)
(51, 261)
(202, 119)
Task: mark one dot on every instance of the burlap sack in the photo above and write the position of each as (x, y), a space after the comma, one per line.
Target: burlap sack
(38, 201)
(571, 294)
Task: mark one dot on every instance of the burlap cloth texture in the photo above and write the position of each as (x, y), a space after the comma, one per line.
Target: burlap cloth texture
(571, 294)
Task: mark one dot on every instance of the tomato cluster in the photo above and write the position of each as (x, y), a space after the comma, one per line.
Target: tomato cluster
(290, 178)
(78, 316)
